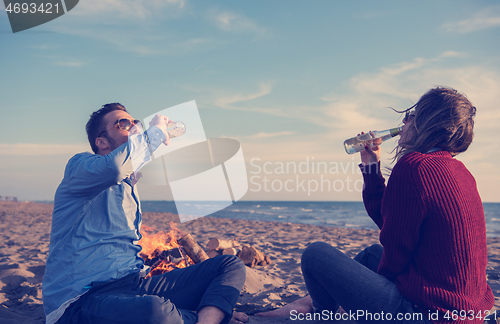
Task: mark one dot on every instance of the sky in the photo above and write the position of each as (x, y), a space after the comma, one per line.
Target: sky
(290, 80)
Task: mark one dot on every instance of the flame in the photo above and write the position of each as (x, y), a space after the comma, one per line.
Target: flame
(155, 250)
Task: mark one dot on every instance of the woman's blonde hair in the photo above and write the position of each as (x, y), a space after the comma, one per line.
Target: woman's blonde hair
(444, 120)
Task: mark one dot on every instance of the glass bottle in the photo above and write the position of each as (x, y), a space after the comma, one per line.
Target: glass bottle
(358, 143)
(175, 129)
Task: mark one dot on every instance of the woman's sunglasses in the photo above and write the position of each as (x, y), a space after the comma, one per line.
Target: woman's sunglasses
(409, 115)
(124, 124)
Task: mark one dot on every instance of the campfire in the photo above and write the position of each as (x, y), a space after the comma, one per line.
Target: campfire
(166, 251)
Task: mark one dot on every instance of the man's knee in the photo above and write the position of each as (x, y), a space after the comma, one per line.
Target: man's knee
(232, 263)
(235, 268)
(159, 310)
(231, 260)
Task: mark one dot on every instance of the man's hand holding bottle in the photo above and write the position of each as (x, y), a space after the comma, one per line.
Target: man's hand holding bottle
(161, 122)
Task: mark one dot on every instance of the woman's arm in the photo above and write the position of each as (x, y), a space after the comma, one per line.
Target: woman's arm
(403, 211)
(373, 191)
(374, 183)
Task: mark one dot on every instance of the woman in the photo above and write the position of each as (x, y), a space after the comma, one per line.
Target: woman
(431, 266)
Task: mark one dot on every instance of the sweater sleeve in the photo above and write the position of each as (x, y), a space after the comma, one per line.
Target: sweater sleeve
(403, 212)
(373, 191)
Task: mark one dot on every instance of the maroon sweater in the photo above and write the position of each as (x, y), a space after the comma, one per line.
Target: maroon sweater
(432, 227)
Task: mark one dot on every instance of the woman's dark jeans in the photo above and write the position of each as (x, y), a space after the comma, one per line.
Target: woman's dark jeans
(333, 278)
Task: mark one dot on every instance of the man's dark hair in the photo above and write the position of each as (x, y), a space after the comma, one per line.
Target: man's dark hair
(96, 126)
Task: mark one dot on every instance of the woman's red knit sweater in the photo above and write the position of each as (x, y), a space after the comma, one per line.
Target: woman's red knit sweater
(432, 227)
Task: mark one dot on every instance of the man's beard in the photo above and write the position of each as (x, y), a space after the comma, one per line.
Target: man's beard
(112, 143)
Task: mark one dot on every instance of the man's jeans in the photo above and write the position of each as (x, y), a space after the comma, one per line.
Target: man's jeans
(173, 297)
(333, 278)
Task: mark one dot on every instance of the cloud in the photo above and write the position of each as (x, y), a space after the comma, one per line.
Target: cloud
(400, 85)
(229, 101)
(364, 95)
(44, 47)
(362, 104)
(33, 171)
(233, 22)
(21, 149)
(484, 19)
(268, 135)
(374, 14)
(123, 9)
(135, 26)
(138, 26)
(140, 40)
(72, 63)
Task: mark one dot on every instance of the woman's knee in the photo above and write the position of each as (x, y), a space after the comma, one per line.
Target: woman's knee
(370, 257)
(317, 251)
(375, 249)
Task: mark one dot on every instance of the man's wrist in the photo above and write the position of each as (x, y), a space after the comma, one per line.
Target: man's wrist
(154, 132)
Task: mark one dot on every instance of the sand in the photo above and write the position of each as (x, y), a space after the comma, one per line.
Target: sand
(24, 244)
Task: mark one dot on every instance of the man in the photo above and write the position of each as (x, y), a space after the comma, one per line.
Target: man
(94, 273)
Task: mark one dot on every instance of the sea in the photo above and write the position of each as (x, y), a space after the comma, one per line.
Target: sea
(350, 214)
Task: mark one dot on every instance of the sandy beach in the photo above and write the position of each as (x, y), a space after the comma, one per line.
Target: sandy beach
(24, 244)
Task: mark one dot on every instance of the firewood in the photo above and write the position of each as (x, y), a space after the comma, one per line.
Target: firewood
(219, 244)
(192, 248)
(251, 256)
(267, 260)
(172, 255)
(231, 251)
(213, 254)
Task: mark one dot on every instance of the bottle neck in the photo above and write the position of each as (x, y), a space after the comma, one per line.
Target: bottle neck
(395, 131)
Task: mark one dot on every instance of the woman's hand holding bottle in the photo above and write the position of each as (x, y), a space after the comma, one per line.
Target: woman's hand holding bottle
(371, 153)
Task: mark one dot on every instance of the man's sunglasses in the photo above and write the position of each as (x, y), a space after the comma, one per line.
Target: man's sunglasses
(124, 124)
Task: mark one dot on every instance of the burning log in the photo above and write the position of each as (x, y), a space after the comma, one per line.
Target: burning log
(194, 251)
(166, 260)
(162, 251)
(173, 255)
(252, 257)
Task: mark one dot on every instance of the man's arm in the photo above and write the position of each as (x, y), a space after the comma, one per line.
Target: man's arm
(88, 174)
